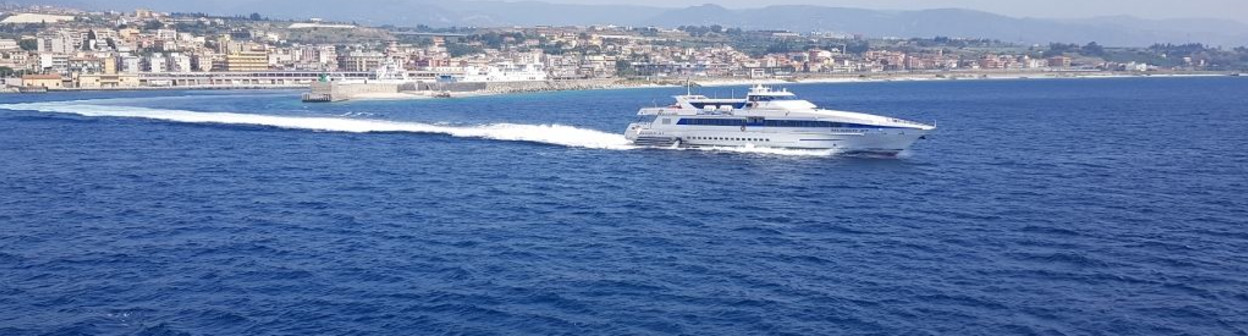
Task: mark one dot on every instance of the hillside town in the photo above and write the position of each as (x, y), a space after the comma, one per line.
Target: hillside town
(58, 48)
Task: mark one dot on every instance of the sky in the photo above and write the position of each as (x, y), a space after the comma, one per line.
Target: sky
(1153, 9)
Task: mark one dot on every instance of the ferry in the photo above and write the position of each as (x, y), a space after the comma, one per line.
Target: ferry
(771, 118)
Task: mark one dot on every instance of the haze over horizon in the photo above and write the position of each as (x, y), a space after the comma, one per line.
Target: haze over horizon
(1236, 10)
(1059, 9)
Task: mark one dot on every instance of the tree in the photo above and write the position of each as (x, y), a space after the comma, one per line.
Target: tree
(459, 49)
(86, 44)
(255, 17)
(857, 47)
(29, 45)
(624, 68)
(7, 71)
(1092, 49)
(153, 25)
(1058, 49)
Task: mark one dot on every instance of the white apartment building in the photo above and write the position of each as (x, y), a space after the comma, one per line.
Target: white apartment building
(157, 63)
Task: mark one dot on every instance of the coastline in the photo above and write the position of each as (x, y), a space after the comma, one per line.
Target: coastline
(639, 83)
(622, 84)
(626, 84)
(946, 76)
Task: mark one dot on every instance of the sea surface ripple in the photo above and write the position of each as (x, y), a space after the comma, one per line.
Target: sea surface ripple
(1042, 207)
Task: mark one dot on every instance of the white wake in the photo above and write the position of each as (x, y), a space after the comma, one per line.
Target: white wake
(548, 134)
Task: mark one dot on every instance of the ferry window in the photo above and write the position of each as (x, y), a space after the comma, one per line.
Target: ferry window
(712, 122)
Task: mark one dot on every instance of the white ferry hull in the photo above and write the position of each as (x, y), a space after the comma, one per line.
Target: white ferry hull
(885, 141)
(772, 119)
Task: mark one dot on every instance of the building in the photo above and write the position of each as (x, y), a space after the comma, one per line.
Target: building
(202, 62)
(110, 64)
(157, 63)
(18, 18)
(19, 60)
(45, 81)
(130, 64)
(179, 63)
(9, 44)
(327, 58)
(54, 62)
(361, 61)
(247, 61)
(84, 65)
(166, 34)
(56, 43)
(144, 13)
(95, 81)
(1059, 61)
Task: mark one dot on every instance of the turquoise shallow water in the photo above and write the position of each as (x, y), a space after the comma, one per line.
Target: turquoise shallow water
(1076, 207)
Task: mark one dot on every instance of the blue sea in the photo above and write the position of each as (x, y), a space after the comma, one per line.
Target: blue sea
(1038, 207)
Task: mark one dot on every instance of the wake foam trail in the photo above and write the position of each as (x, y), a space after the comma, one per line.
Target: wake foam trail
(549, 134)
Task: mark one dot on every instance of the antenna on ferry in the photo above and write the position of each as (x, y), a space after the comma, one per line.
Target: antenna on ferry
(688, 87)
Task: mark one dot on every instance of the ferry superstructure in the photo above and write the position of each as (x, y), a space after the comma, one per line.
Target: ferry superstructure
(771, 118)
